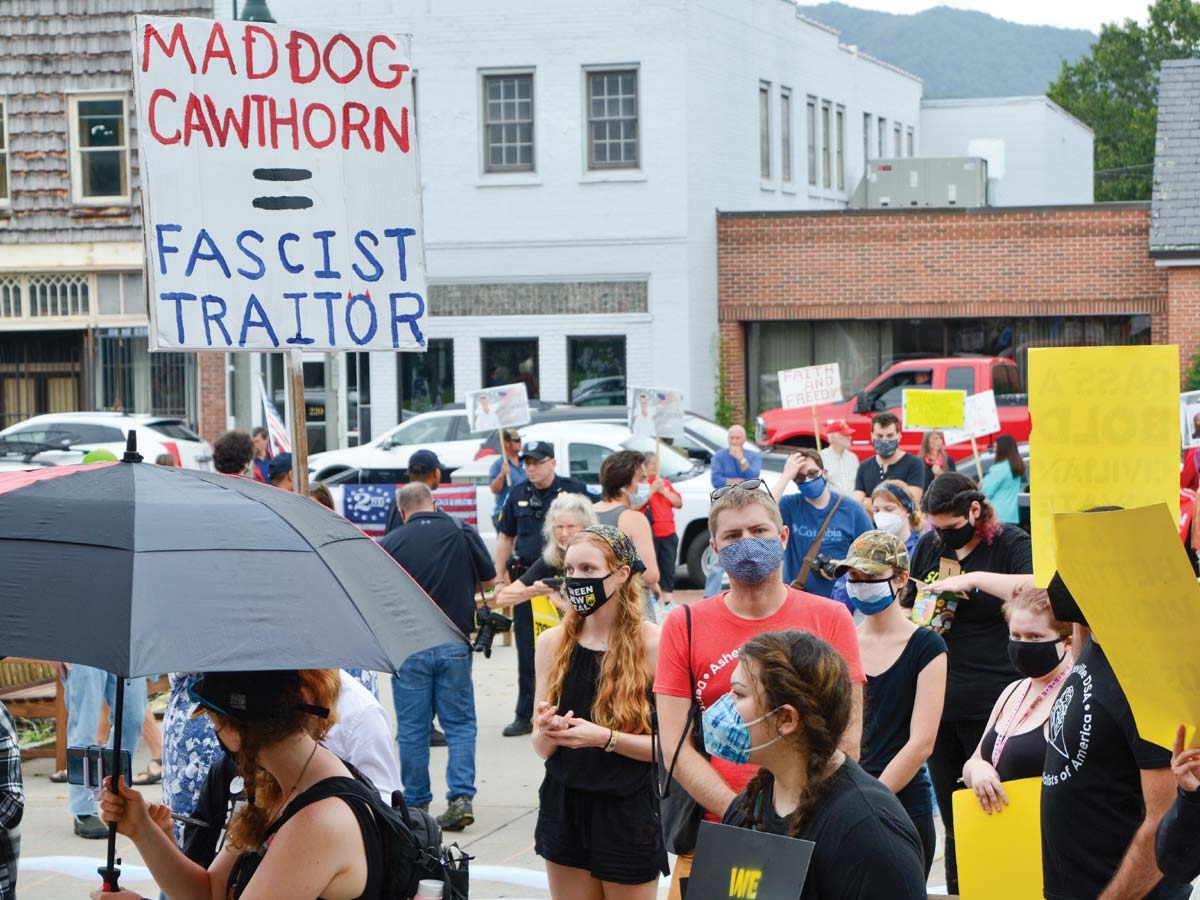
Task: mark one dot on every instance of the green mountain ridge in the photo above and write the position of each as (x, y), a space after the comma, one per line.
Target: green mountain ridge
(959, 53)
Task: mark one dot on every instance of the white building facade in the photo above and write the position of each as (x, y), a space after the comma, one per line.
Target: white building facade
(573, 156)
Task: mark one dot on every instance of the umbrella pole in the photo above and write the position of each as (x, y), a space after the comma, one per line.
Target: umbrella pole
(109, 872)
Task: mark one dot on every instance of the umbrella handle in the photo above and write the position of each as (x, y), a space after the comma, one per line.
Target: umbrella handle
(109, 871)
(109, 875)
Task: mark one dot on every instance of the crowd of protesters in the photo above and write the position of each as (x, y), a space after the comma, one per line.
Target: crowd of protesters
(880, 645)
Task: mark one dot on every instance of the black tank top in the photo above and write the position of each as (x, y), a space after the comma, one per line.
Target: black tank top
(247, 863)
(1023, 756)
(590, 768)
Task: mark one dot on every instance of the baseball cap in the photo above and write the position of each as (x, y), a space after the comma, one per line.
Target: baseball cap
(537, 450)
(838, 426)
(873, 553)
(511, 434)
(248, 696)
(281, 464)
(423, 462)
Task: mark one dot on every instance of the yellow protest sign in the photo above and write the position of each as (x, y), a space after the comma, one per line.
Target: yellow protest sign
(1016, 830)
(1105, 433)
(545, 615)
(1128, 571)
(933, 409)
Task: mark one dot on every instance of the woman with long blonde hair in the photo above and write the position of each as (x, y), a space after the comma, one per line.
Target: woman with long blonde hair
(597, 824)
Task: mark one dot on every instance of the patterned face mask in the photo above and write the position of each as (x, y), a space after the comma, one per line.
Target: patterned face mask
(751, 559)
(727, 734)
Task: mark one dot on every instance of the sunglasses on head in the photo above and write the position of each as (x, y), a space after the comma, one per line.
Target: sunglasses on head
(752, 484)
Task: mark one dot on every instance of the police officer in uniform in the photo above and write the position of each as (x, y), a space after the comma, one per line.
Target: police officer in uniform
(518, 545)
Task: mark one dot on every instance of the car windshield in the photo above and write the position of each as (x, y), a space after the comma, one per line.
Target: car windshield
(174, 429)
(671, 463)
(33, 441)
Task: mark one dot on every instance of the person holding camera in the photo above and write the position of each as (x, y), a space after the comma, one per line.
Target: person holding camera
(519, 543)
(448, 560)
(821, 524)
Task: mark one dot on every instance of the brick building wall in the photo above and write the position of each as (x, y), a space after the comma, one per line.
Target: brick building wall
(954, 263)
(1182, 324)
(210, 384)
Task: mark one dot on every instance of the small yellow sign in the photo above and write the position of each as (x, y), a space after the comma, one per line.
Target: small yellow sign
(934, 409)
(1016, 830)
(1128, 571)
(545, 615)
(1105, 433)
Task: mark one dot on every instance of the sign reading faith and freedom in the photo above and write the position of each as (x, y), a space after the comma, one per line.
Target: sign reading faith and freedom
(281, 192)
(810, 385)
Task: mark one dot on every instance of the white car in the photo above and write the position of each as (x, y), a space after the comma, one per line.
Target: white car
(58, 439)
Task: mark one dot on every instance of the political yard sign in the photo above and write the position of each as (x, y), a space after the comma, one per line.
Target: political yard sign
(280, 187)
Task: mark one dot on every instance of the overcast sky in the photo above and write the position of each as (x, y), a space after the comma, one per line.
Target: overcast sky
(1089, 14)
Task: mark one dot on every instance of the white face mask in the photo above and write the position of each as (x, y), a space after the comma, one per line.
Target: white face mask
(889, 522)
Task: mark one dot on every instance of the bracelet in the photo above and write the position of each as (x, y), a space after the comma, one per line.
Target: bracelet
(612, 741)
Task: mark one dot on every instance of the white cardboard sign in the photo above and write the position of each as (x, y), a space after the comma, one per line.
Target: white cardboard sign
(980, 419)
(503, 406)
(656, 412)
(810, 385)
(280, 187)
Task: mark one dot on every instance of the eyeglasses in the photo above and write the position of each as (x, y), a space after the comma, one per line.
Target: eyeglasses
(751, 484)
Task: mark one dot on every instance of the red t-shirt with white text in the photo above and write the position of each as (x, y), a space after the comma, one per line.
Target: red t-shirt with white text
(718, 634)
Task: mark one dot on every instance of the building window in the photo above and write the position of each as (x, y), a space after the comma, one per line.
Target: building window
(882, 145)
(909, 138)
(810, 124)
(785, 132)
(358, 398)
(866, 139)
(3, 153)
(612, 120)
(597, 367)
(764, 131)
(507, 361)
(896, 136)
(427, 379)
(100, 153)
(841, 148)
(826, 138)
(508, 122)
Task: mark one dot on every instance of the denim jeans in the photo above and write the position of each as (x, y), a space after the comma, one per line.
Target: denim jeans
(436, 680)
(86, 687)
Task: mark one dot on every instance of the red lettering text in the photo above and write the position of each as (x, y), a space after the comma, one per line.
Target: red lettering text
(177, 39)
(397, 68)
(152, 114)
(223, 124)
(249, 39)
(212, 51)
(353, 48)
(293, 46)
(348, 125)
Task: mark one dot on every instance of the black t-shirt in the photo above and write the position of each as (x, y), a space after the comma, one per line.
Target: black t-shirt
(446, 559)
(525, 511)
(1091, 783)
(866, 845)
(887, 715)
(1177, 843)
(977, 641)
(909, 468)
(539, 570)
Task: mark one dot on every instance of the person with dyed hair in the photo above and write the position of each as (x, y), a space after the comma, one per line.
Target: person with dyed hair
(597, 825)
(788, 704)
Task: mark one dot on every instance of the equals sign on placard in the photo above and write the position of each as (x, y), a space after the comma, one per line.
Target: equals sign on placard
(282, 202)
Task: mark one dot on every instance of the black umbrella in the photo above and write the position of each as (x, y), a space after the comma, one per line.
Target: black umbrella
(139, 569)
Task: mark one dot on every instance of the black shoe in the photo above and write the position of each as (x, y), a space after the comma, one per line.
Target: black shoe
(90, 827)
(437, 738)
(518, 727)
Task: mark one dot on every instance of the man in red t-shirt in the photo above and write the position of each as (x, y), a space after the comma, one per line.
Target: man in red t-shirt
(749, 535)
(663, 502)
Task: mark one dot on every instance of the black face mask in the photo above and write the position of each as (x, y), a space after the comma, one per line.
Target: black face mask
(1033, 659)
(958, 537)
(586, 595)
(1062, 602)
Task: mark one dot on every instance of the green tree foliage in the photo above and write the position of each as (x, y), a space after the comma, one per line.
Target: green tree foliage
(1114, 91)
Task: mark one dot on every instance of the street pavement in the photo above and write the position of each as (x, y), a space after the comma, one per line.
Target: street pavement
(56, 865)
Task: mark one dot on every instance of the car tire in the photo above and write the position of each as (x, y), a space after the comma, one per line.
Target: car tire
(697, 558)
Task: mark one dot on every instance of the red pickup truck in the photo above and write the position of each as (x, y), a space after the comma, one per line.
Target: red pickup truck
(794, 427)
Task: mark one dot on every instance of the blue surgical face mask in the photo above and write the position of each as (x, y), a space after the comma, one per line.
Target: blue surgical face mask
(812, 489)
(727, 734)
(751, 559)
(641, 495)
(870, 597)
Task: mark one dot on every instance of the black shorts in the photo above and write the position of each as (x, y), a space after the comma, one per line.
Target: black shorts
(617, 839)
(666, 553)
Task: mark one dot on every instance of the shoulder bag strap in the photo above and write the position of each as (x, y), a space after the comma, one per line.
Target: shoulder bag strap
(662, 786)
(815, 547)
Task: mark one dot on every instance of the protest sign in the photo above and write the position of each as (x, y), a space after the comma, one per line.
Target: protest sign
(368, 505)
(1017, 828)
(980, 419)
(545, 615)
(747, 864)
(1110, 559)
(1189, 418)
(810, 385)
(503, 406)
(926, 410)
(280, 187)
(1105, 433)
(656, 412)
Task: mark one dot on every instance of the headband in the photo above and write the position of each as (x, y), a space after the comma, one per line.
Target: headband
(621, 545)
(903, 497)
